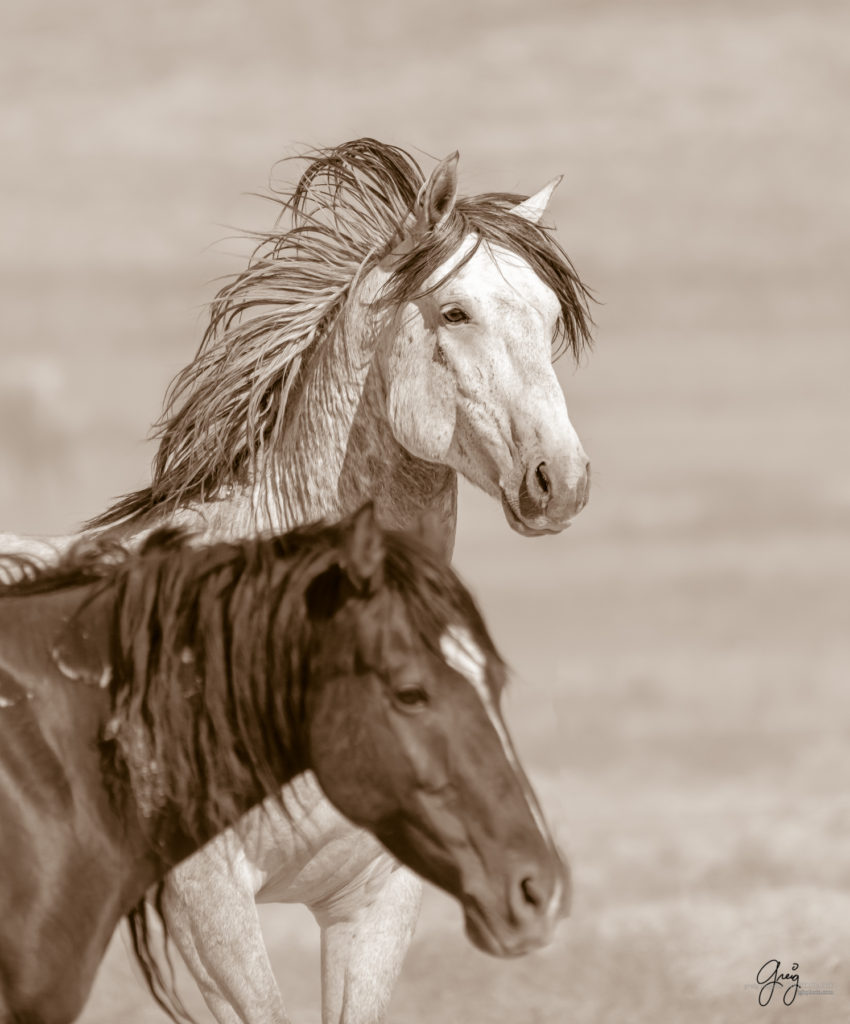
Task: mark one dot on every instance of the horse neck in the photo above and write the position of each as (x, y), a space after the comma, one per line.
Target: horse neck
(70, 707)
(341, 451)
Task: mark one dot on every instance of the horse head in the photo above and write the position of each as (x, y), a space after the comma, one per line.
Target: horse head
(467, 356)
(407, 740)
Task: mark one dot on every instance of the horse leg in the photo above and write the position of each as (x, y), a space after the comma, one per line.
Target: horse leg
(362, 952)
(212, 918)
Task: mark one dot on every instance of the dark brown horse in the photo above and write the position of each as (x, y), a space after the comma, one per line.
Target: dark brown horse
(148, 699)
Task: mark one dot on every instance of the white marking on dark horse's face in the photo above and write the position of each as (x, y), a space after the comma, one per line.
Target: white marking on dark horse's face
(471, 385)
(464, 655)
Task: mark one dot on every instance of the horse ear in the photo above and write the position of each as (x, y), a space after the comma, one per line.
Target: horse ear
(364, 550)
(534, 207)
(430, 529)
(438, 195)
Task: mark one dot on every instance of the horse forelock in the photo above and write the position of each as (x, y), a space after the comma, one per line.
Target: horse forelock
(228, 415)
(433, 595)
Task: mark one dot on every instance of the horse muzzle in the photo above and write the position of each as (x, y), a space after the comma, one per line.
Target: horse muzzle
(547, 496)
(525, 918)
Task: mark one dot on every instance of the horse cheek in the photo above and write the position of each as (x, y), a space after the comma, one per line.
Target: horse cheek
(422, 411)
(342, 754)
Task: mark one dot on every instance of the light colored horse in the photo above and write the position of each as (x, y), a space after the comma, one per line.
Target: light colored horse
(393, 336)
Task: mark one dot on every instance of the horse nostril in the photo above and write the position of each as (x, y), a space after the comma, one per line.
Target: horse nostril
(535, 491)
(531, 892)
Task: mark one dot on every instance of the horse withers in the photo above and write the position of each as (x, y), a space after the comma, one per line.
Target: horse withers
(148, 699)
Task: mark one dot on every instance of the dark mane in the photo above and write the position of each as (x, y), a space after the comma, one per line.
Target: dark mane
(88, 560)
(228, 413)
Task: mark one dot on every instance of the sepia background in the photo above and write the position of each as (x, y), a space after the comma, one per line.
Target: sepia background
(682, 652)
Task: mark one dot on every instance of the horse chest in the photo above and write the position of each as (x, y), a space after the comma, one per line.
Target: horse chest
(309, 853)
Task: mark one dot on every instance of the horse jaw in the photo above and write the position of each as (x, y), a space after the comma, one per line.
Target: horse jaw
(482, 397)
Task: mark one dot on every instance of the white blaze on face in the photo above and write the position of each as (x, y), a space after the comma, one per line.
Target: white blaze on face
(464, 655)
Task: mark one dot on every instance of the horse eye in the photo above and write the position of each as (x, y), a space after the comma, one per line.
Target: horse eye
(411, 696)
(455, 315)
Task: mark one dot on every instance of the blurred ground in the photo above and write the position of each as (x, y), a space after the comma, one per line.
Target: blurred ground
(683, 650)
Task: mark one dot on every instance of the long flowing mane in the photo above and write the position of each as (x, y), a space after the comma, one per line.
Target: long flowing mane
(202, 643)
(229, 413)
(201, 710)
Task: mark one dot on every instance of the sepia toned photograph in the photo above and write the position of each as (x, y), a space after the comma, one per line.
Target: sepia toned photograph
(424, 512)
